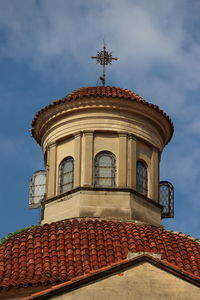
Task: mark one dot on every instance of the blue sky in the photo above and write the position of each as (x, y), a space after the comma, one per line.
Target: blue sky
(45, 49)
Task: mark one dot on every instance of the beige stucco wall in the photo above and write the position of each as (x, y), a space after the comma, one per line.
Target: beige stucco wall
(131, 132)
(83, 147)
(102, 119)
(89, 203)
(92, 143)
(141, 282)
(101, 113)
(106, 141)
(103, 204)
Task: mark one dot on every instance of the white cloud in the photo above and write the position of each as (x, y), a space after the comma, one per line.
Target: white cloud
(158, 46)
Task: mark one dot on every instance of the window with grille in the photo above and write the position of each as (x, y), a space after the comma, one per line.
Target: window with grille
(167, 199)
(105, 169)
(66, 174)
(142, 178)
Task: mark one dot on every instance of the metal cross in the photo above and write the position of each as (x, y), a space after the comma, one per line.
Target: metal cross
(104, 58)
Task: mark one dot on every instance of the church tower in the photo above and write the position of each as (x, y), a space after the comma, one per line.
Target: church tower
(102, 148)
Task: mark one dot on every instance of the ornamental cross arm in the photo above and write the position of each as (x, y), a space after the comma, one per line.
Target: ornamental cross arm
(104, 58)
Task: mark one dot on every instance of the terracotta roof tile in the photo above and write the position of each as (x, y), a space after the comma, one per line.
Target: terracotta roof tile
(100, 91)
(65, 250)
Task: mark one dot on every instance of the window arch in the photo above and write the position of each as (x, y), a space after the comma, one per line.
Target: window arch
(66, 174)
(105, 169)
(142, 178)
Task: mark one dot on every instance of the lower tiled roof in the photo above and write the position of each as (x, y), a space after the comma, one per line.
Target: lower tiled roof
(68, 249)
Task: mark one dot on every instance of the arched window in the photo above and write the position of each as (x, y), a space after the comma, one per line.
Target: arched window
(66, 174)
(104, 174)
(142, 178)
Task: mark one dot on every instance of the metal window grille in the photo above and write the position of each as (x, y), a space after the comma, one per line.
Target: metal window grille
(105, 169)
(37, 189)
(142, 178)
(167, 199)
(66, 174)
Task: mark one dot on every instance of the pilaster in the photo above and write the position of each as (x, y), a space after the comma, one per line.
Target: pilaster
(51, 170)
(154, 190)
(131, 178)
(87, 162)
(77, 159)
(122, 164)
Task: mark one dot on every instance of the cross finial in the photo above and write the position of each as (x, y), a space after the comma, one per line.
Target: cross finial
(104, 58)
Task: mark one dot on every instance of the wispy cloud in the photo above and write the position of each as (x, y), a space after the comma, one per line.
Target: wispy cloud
(155, 47)
(158, 45)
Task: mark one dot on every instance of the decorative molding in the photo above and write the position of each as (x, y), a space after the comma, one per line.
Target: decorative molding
(88, 132)
(50, 116)
(122, 134)
(132, 137)
(77, 134)
(54, 144)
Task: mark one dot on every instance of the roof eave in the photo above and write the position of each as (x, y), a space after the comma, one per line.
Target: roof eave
(111, 270)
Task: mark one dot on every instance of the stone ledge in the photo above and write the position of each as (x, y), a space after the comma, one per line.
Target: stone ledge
(104, 189)
(100, 202)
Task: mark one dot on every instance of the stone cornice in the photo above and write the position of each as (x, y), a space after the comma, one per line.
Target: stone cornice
(55, 113)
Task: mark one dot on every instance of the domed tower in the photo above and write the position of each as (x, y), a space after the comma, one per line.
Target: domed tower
(102, 148)
(101, 233)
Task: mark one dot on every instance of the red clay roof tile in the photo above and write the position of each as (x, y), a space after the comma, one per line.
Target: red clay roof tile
(68, 249)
